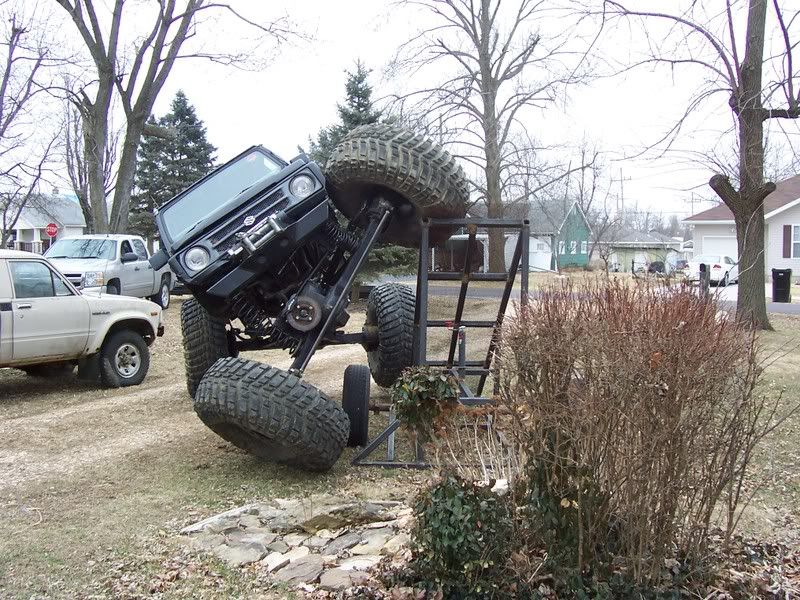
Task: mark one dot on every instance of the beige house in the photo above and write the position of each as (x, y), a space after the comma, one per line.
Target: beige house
(714, 230)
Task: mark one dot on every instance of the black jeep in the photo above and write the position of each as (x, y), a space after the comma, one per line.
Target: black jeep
(270, 264)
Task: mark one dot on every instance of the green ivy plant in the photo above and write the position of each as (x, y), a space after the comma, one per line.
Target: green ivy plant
(422, 396)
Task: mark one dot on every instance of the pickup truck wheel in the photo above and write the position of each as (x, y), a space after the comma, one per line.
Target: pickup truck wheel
(112, 288)
(204, 342)
(272, 414)
(411, 171)
(163, 296)
(390, 309)
(124, 359)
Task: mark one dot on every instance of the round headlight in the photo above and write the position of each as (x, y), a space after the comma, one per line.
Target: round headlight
(197, 259)
(302, 186)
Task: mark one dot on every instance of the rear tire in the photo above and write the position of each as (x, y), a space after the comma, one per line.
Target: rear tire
(409, 170)
(390, 308)
(205, 341)
(162, 298)
(355, 402)
(272, 414)
(124, 359)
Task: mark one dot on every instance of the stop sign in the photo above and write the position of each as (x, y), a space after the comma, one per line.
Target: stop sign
(51, 229)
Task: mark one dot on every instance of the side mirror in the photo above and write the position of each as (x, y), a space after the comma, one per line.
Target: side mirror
(129, 257)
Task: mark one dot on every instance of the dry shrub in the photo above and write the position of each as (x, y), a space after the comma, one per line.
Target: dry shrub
(636, 412)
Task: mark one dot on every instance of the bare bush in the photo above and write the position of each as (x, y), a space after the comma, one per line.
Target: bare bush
(637, 410)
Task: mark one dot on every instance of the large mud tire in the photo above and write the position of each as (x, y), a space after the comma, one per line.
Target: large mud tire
(272, 414)
(410, 170)
(390, 308)
(205, 341)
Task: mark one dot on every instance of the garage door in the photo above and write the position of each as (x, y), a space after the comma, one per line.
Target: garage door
(726, 246)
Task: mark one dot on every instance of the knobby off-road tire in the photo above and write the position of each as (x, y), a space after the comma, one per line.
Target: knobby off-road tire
(355, 402)
(272, 414)
(204, 342)
(411, 171)
(390, 308)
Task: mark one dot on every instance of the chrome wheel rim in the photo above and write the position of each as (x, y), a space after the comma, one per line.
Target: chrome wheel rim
(164, 295)
(127, 360)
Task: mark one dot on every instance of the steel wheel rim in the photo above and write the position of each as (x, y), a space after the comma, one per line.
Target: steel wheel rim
(164, 295)
(127, 360)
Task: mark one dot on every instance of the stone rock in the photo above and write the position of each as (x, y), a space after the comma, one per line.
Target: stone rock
(278, 546)
(381, 524)
(220, 519)
(328, 534)
(250, 521)
(344, 542)
(295, 539)
(373, 541)
(297, 553)
(323, 521)
(250, 536)
(316, 542)
(274, 561)
(395, 544)
(359, 563)
(239, 555)
(303, 570)
(336, 579)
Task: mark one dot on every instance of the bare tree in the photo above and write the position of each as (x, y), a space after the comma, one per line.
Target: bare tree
(712, 41)
(136, 74)
(74, 145)
(25, 147)
(495, 67)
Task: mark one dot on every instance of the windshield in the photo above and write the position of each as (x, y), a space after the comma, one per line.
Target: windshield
(217, 191)
(707, 258)
(83, 248)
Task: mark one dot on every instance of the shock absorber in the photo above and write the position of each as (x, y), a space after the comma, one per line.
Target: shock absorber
(257, 323)
(349, 240)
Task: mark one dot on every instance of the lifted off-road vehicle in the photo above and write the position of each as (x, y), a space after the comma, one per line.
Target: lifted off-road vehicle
(270, 265)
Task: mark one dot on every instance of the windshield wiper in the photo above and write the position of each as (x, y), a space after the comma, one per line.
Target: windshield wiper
(58, 257)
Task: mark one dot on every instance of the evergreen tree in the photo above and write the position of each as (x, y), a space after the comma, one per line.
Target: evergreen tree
(357, 109)
(166, 167)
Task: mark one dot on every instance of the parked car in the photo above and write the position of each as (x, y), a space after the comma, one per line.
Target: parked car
(724, 269)
(115, 264)
(47, 327)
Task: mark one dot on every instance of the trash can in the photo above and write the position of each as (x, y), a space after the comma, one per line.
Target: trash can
(781, 285)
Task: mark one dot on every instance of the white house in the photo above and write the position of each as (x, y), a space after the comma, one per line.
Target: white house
(29, 230)
(714, 230)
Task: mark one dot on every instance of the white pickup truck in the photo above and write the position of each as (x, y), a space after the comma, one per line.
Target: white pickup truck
(113, 263)
(47, 327)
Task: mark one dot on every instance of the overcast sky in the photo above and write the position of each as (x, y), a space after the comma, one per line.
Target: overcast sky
(295, 95)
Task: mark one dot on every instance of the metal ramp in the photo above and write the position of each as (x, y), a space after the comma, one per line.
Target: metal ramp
(458, 366)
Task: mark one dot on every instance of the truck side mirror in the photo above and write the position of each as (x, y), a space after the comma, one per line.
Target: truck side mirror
(129, 257)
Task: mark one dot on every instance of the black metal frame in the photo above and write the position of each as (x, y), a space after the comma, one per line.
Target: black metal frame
(463, 367)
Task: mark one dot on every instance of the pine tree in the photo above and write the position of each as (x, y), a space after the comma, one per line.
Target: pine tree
(166, 167)
(358, 109)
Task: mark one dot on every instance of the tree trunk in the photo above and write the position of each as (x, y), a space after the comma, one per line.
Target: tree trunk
(120, 208)
(751, 306)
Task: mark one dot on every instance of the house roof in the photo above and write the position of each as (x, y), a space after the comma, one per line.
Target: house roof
(630, 238)
(51, 209)
(785, 196)
(545, 220)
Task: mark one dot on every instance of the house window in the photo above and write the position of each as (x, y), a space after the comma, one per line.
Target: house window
(561, 247)
(584, 246)
(573, 247)
(795, 241)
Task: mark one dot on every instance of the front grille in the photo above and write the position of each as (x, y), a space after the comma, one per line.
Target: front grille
(75, 279)
(225, 237)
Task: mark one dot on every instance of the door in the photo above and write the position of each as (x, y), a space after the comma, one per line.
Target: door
(722, 245)
(137, 276)
(49, 318)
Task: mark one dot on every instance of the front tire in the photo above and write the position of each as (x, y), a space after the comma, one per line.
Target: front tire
(272, 414)
(409, 170)
(390, 308)
(124, 359)
(205, 341)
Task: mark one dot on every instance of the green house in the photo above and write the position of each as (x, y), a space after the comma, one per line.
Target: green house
(571, 238)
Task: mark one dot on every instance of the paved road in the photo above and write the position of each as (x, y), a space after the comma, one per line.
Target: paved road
(727, 297)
